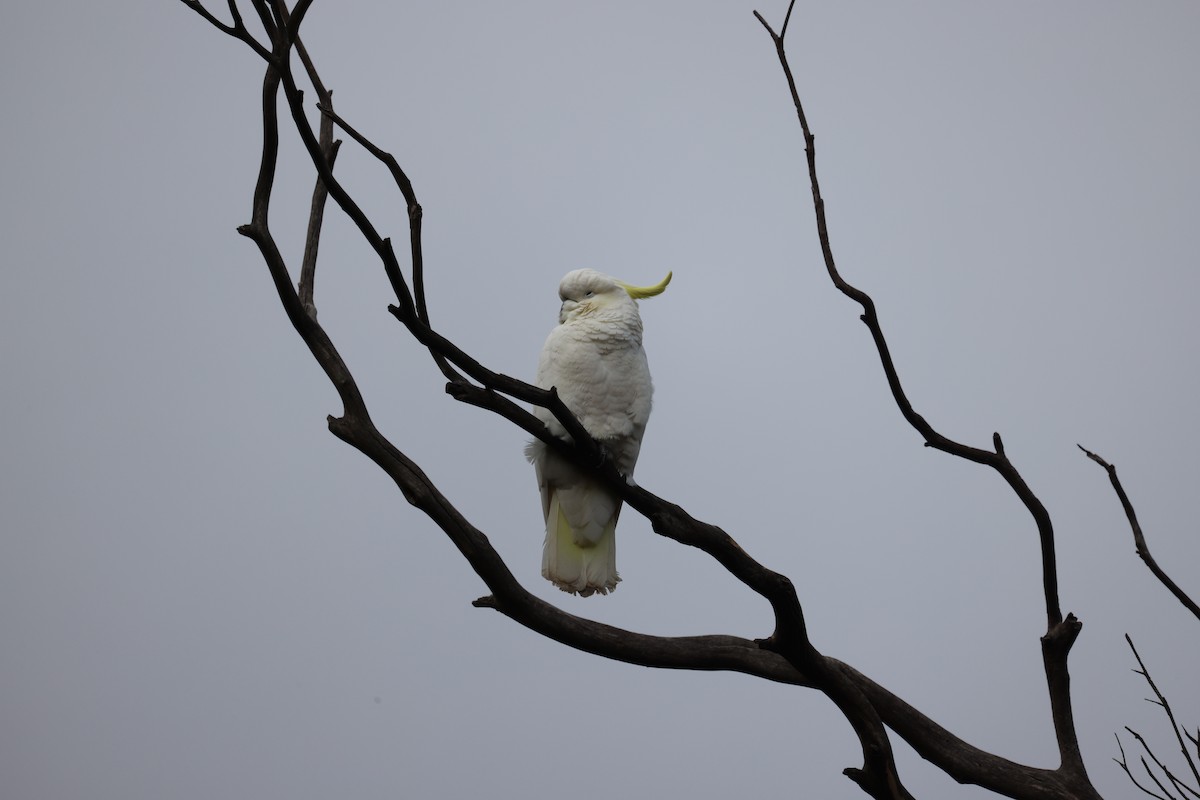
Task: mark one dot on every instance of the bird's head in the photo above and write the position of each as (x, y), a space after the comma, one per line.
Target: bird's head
(586, 291)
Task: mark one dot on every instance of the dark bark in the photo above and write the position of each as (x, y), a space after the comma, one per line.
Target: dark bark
(1139, 538)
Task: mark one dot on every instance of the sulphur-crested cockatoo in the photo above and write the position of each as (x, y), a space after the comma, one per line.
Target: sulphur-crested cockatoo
(594, 358)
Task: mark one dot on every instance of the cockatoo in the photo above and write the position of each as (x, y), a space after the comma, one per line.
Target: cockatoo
(594, 358)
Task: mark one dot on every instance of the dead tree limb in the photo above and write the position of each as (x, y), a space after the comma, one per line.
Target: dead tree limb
(1139, 538)
(1060, 633)
(1181, 737)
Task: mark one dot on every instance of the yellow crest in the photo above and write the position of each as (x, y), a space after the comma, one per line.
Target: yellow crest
(642, 292)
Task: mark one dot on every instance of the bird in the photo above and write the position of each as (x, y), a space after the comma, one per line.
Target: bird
(595, 361)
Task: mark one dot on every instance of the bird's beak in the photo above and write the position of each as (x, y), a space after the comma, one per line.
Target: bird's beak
(565, 309)
(642, 292)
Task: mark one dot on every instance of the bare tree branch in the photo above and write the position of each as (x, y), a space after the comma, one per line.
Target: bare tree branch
(308, 266)
(329, 149)
(1060, 633)
(1157, 782)
(997, 459)
(1139, 539)
(415, 217)
(237, 30)
(1176, 729)
(1123, 762)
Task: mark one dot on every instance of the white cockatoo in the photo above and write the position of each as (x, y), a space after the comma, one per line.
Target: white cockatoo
(594, 358)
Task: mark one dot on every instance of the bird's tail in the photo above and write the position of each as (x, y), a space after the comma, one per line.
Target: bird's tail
(583, 570)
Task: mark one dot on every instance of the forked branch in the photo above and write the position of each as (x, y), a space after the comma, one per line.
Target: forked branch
(1174, 786)
(1060, 633)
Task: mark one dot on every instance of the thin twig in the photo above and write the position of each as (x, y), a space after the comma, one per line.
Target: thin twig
(237, 30)
(1123, 763)
(329, 148)
(1157, 782)
(1166, 707)
(415, 217)
(316, 216)
(1163, 768)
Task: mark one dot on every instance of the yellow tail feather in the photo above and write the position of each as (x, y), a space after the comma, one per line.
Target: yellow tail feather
(579, 570)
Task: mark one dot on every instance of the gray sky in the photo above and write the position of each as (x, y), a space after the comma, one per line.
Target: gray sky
(205, 594)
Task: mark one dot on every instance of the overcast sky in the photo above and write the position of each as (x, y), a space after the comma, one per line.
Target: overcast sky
(204, 594)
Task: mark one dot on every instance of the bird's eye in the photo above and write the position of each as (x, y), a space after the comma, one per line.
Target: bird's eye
(589, 294)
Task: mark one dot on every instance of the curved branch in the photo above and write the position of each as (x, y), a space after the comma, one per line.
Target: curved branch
(1060, 633)
(995, 459)
(1139, 539)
